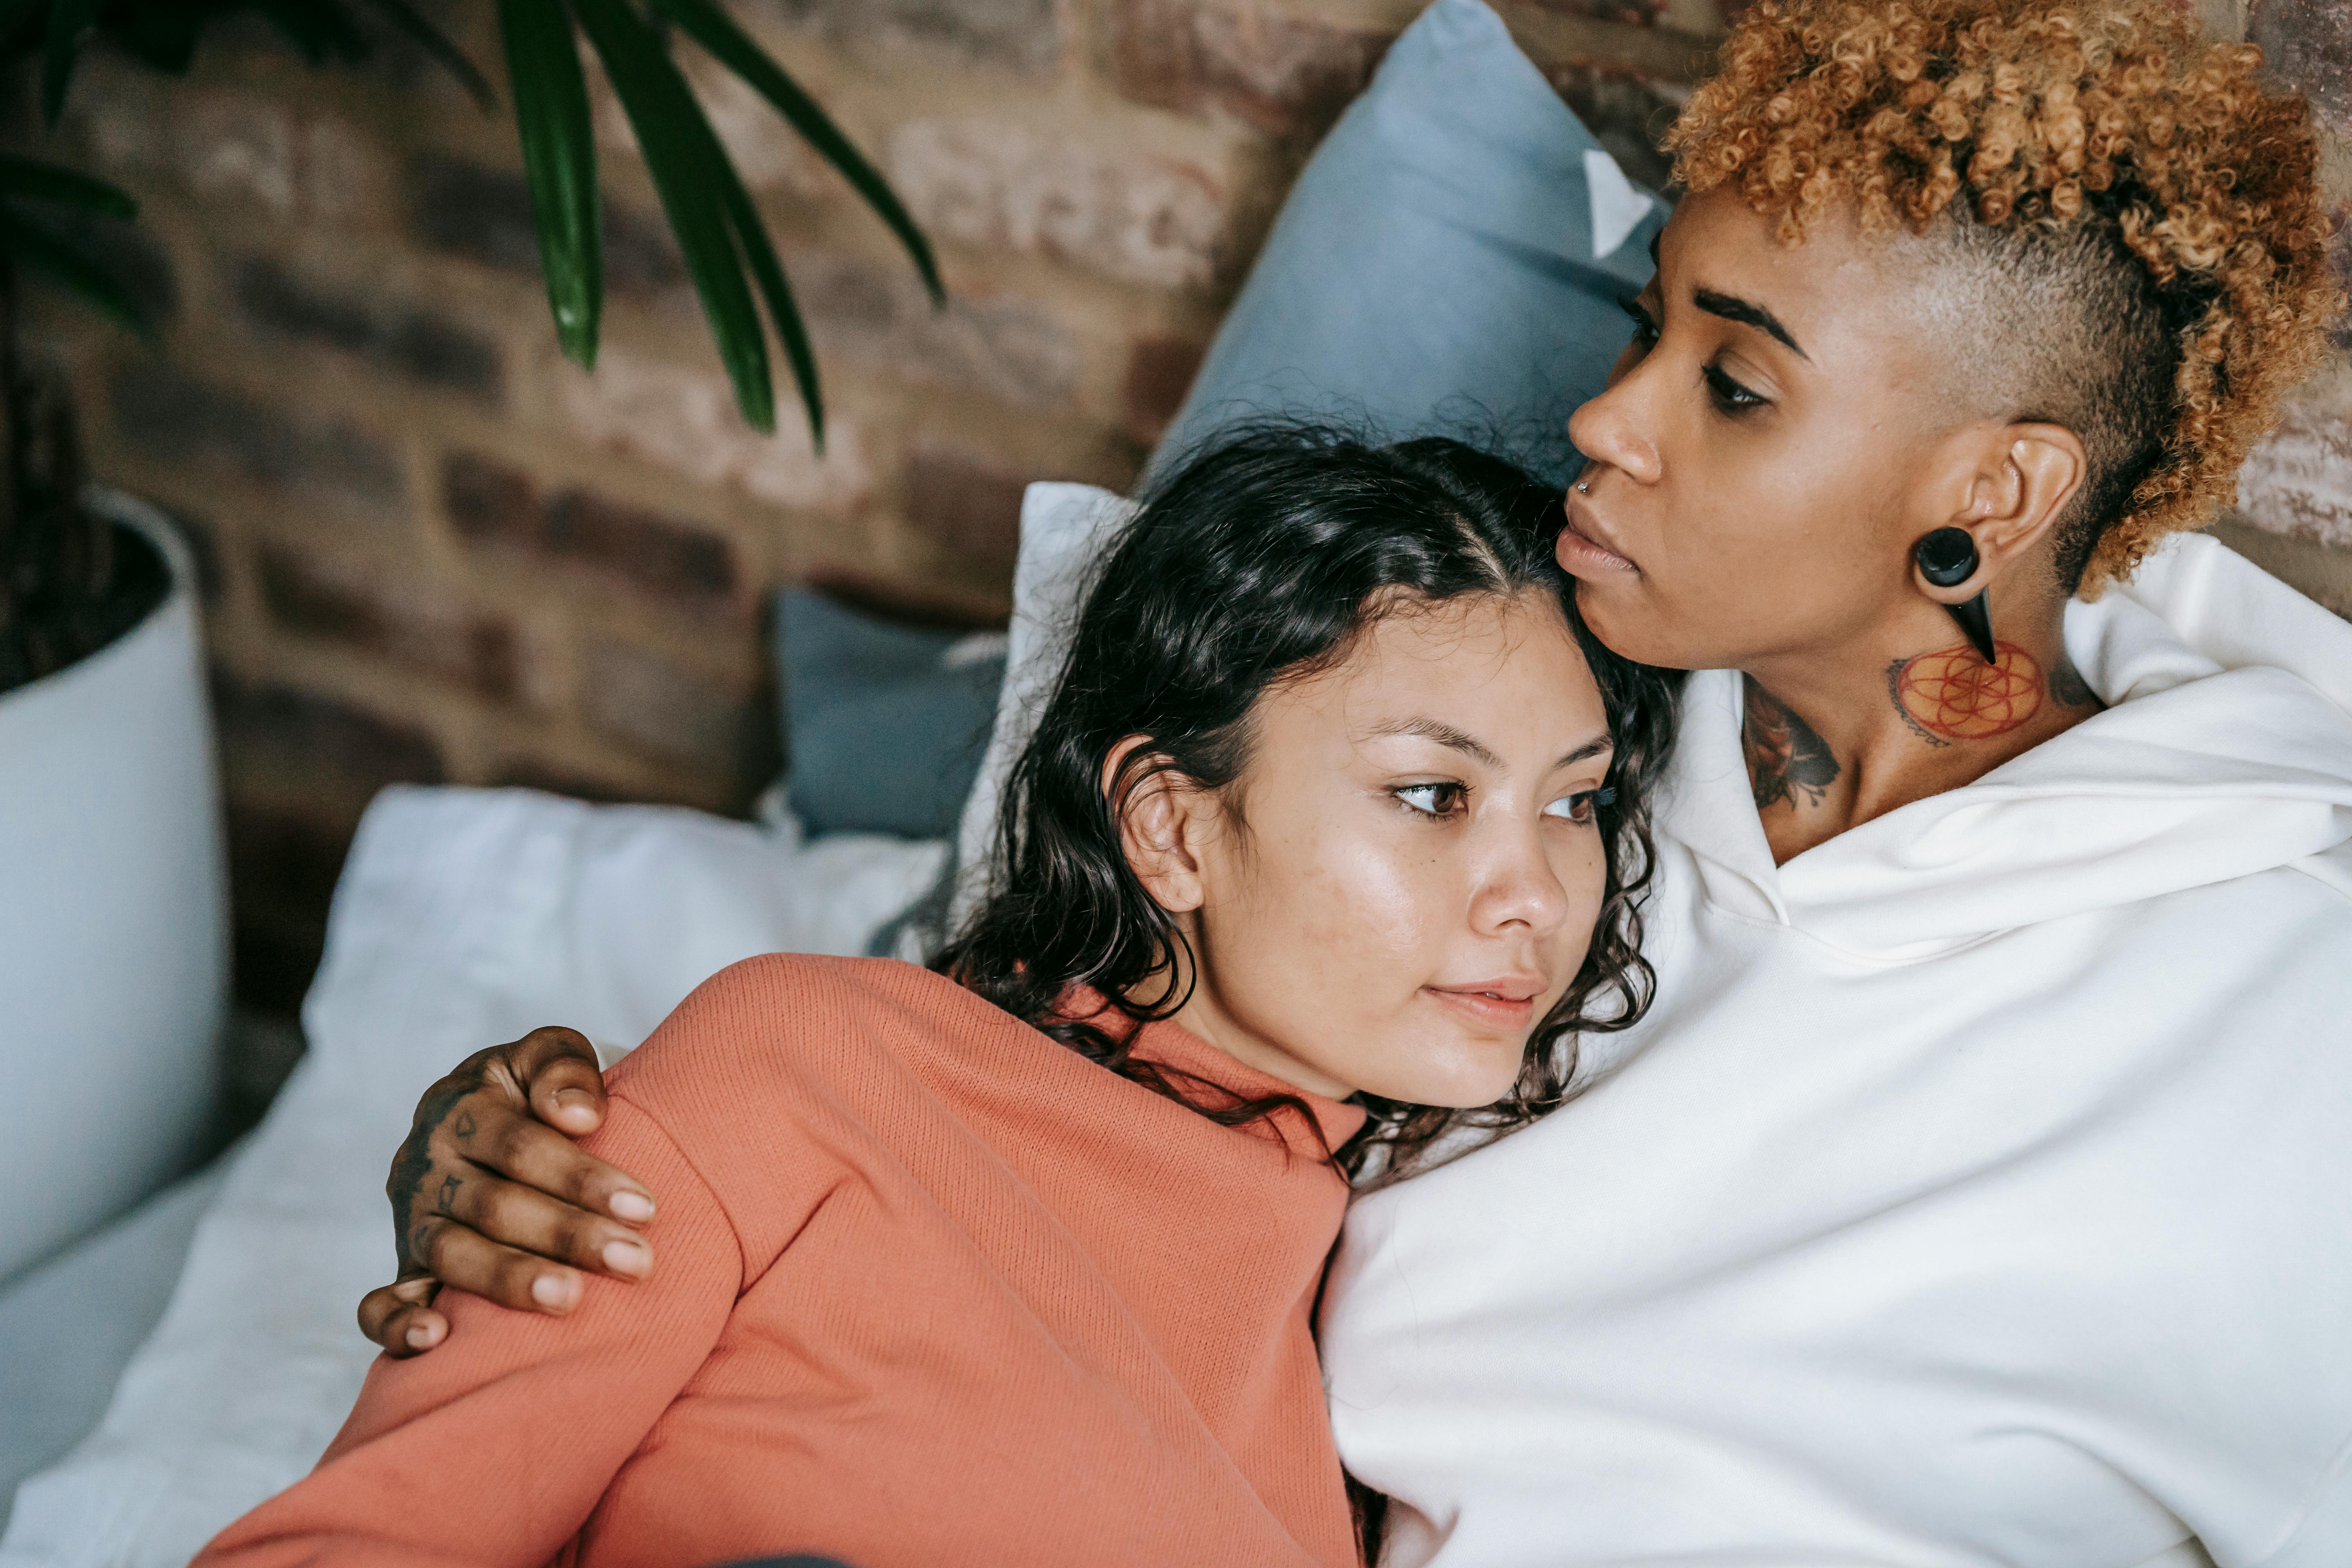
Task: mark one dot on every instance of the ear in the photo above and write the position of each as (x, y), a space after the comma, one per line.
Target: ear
(1163, 821)
(2013, 484)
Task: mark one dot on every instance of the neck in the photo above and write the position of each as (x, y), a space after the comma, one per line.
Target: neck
(1836, 737)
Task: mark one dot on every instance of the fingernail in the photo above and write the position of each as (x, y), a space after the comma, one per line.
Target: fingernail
(632, 1206)
(572, 1098)
(550, 1291)
(420, 1337)
(626, 1258)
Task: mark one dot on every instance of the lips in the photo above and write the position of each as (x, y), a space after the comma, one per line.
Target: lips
(1585, 549)
(1509, 1002)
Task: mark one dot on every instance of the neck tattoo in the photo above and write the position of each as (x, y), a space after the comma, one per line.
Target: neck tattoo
(1953, 694)
(1786, 761)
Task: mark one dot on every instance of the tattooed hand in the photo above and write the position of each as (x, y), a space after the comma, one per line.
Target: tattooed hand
(488, 1189)
(1786, 760)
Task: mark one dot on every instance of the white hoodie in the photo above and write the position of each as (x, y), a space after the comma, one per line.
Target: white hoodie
(1977, 1191)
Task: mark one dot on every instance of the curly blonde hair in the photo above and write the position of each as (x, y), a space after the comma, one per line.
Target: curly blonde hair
(2101, 145)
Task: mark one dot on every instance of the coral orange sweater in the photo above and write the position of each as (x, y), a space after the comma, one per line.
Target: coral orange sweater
(933, 1289)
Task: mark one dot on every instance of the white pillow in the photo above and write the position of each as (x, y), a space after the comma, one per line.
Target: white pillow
(462, 918)
(1065, 530)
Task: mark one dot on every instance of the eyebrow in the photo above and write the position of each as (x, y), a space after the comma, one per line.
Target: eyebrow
(1459, 739)
(1731, 308)
(1595, 747)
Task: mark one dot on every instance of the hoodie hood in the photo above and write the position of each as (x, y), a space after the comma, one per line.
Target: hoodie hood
(2226, 750)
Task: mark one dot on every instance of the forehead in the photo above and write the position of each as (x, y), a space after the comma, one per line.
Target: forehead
(1509, 669)
(1858, 303)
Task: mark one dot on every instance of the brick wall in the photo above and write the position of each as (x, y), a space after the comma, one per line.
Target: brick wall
(436, 552)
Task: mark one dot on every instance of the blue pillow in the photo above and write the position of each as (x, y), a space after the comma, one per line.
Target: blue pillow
(1434, 270)
(885, 724)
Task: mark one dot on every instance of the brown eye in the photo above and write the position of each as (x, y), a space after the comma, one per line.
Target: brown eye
(1730, 397)
(1432, 799)
(1582, 808)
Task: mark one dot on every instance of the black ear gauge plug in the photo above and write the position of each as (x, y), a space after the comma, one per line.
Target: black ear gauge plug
(1948, 558)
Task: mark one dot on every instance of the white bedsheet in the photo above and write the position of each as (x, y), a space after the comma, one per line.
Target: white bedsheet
(462, 918)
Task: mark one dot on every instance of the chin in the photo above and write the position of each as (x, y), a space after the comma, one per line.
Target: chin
(1481, 1076)
(1619, 614)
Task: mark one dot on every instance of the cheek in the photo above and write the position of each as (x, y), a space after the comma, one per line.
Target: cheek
(1582, 870)
(1344, 916)
(1746, 553)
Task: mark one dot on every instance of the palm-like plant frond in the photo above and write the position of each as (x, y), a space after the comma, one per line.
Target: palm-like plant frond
(726, 247)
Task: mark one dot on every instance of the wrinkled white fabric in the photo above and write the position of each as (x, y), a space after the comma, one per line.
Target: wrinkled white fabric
(1974, 1193)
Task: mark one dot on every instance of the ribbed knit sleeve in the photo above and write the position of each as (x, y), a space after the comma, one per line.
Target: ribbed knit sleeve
(495, 1447)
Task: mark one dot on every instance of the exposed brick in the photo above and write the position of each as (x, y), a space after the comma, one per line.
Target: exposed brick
(965, 506)
(318, 737)
(486, 499)
(685, 715)
(1287, 75)
(1639, 13)
(902, 606)
(1159, 371)
(406, 619)
(1628, 114)
(484, 215)
(1010, 348)
(2298, 481)
(645, 552)
(685, 421)
(243, 146)
(417, 344)
(174, 418)
(283, 869)
(2339, 257)
(1138, 217)
(2307, 47)
(537, 773)
(1018, 35)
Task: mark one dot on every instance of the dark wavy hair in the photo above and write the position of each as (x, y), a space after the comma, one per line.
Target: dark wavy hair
(1258, 562)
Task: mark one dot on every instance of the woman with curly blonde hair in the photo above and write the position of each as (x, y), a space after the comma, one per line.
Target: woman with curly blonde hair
(1973, 1190)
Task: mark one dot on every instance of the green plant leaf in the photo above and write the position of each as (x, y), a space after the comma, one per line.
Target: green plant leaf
(689, 168)
(45, 253)
(769, 273)
(51, 183)
(559, 158)
(717, 32)
(438, 44)
(69, 22)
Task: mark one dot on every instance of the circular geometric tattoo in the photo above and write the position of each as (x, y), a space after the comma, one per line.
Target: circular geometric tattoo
(1954, 693)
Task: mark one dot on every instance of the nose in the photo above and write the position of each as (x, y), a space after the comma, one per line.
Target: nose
(1518, 891)
(1611, 429)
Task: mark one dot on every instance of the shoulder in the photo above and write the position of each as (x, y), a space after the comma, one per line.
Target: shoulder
(779, 1028)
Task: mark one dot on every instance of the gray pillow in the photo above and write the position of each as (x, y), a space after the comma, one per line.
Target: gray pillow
(1450, 262)
(885, 723)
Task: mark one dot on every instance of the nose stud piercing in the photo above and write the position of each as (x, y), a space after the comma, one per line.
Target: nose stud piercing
(1948, 558)
(1584, 487)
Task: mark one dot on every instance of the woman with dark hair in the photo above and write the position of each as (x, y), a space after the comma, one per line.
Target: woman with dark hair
(1973, 1192)
(1015, 1260)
